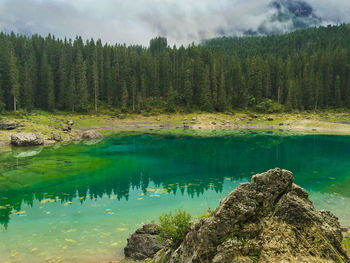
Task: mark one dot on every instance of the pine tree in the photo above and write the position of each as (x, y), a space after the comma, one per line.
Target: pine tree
(204, 96)
(133, 92)
(2, 102)
(143, 89)
(171, 99)
(337, 94)
(63, 81)
(28, 88)
(71, 91)
(221, 102)
(347, 95)
(95, 84)
(188, 91)
(14, 80)
(81, 88)
(214, 86)
(50, 90)
(291, 102)
(125, 97)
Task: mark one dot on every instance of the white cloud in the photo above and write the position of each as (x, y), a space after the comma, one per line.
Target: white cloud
(137, 21)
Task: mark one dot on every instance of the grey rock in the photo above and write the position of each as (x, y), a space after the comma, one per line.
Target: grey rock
(270, 119)
(92, 135)
(66, 128)
(26, 139)
(122, 116)
(346, 232)
(269, 219)
(70, 123)
(7, 125)
(56, 137)
(143, 243)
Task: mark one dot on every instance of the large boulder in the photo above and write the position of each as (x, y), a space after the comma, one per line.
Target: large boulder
(92, 135)
(26, 139)
(7, 125)
(269, 219)
(143, 243)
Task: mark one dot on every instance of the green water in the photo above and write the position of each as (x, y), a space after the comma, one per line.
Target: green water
(79, 203)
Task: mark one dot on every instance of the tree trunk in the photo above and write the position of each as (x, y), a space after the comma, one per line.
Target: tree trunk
(95, 100)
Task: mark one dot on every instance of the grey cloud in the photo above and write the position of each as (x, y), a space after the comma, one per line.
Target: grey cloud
(182, 21)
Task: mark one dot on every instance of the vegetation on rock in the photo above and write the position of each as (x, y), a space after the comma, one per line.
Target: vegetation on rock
(174, 226)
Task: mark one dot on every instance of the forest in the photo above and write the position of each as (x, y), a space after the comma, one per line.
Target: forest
(303, 70)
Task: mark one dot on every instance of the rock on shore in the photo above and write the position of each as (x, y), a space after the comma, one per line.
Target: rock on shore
(143, 243)
(26, 139)
(269, 219)
(7, 125)
(92, 135)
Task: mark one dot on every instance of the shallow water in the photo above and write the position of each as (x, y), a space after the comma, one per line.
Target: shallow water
(79, 203)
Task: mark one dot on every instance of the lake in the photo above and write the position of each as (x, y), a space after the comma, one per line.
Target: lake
(80, 202)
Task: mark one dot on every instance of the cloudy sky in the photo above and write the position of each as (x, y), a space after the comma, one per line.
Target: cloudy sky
(137, 21)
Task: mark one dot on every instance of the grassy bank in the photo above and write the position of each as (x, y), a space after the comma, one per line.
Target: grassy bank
(45, 124)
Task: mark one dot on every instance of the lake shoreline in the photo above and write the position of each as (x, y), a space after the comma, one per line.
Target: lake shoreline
(46, 124)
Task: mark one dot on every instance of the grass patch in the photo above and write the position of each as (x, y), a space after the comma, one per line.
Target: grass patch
(346, 245)
(174, 226)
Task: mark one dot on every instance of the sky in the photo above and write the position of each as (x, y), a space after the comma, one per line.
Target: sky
(138, 21)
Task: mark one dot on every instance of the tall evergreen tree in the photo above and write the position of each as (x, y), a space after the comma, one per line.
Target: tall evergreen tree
(337, 92)
(63, 81)
(2, 101)
(221, 101)
(188, 90)
(204, 95)
(27, 88)
(125, 97)
(14, 80)
(95, 83)
(50, 90)
(81, 87)
(171, 98)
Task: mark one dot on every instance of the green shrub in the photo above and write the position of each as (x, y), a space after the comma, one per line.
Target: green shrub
(174, 226)
(269, 106)
(346, 243)
(206, 214)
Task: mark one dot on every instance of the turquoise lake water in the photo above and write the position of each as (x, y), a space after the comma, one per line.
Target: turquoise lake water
(79, 202)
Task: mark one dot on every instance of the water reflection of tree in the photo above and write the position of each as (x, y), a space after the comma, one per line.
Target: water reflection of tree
(186, 165)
